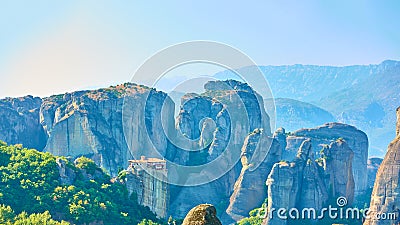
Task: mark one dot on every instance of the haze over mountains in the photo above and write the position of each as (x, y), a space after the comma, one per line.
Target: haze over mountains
(365, 96)
(112, 125)
(308, 95)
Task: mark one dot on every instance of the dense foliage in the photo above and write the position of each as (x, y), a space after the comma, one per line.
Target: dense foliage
(8, 217)
(31, 190)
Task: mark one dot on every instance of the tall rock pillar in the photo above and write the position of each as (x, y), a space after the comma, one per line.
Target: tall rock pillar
(385, 199)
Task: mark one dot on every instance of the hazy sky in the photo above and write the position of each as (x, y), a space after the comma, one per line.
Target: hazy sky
(49, 47)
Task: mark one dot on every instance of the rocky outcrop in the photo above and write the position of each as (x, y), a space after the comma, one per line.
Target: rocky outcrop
(67, 174)
(71, 171)
(249, 191)
(214, 123)
(309, 183)
(295, 185)
(373, 166)
(338, 160)
(385, 197)
(204, 214)
(19, 122)
(218, 119)
(147, 178)
(292, 144)
(356, 140)
(91, 123)
(106, 124)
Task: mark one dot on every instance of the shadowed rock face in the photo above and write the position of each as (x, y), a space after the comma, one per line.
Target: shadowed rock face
(338, 160)
(204, 214)
(386, 194)
(356, 140)
(249, 190)
(305, 183)
(19, 122)
(295, 184)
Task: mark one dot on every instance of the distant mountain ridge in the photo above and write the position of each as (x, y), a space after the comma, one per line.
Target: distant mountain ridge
(226, 125)
(294, 115)
(362, 95)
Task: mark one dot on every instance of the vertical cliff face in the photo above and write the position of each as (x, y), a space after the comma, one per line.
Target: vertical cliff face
(146, 177)
(385, 197)
(295, 185)
(249, 191)
(309, 183)
(218, 121)
(356, 140)
(197, 121)
(19, 122)
(91, 123)
(338, 160)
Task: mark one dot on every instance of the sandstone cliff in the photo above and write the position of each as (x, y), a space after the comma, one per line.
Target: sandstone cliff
(385, 197)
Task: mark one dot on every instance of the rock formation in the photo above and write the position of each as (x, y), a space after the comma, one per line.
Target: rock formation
(385, 197)
(204, 214)
(105, 124)
(309, 183)
(67, 174)
(249, 191)
(146, 177)
(91, 123)
(218, 121)
(364, 96)
(19, 122)
(223, 115)
(356, 140)
(338, 160)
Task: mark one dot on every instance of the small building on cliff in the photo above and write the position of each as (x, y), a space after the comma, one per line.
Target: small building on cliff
(147, 177)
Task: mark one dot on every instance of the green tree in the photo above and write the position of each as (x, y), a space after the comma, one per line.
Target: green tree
(30, 185)
(6, 214)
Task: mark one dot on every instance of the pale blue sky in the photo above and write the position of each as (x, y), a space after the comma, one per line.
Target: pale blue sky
(51, 47)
